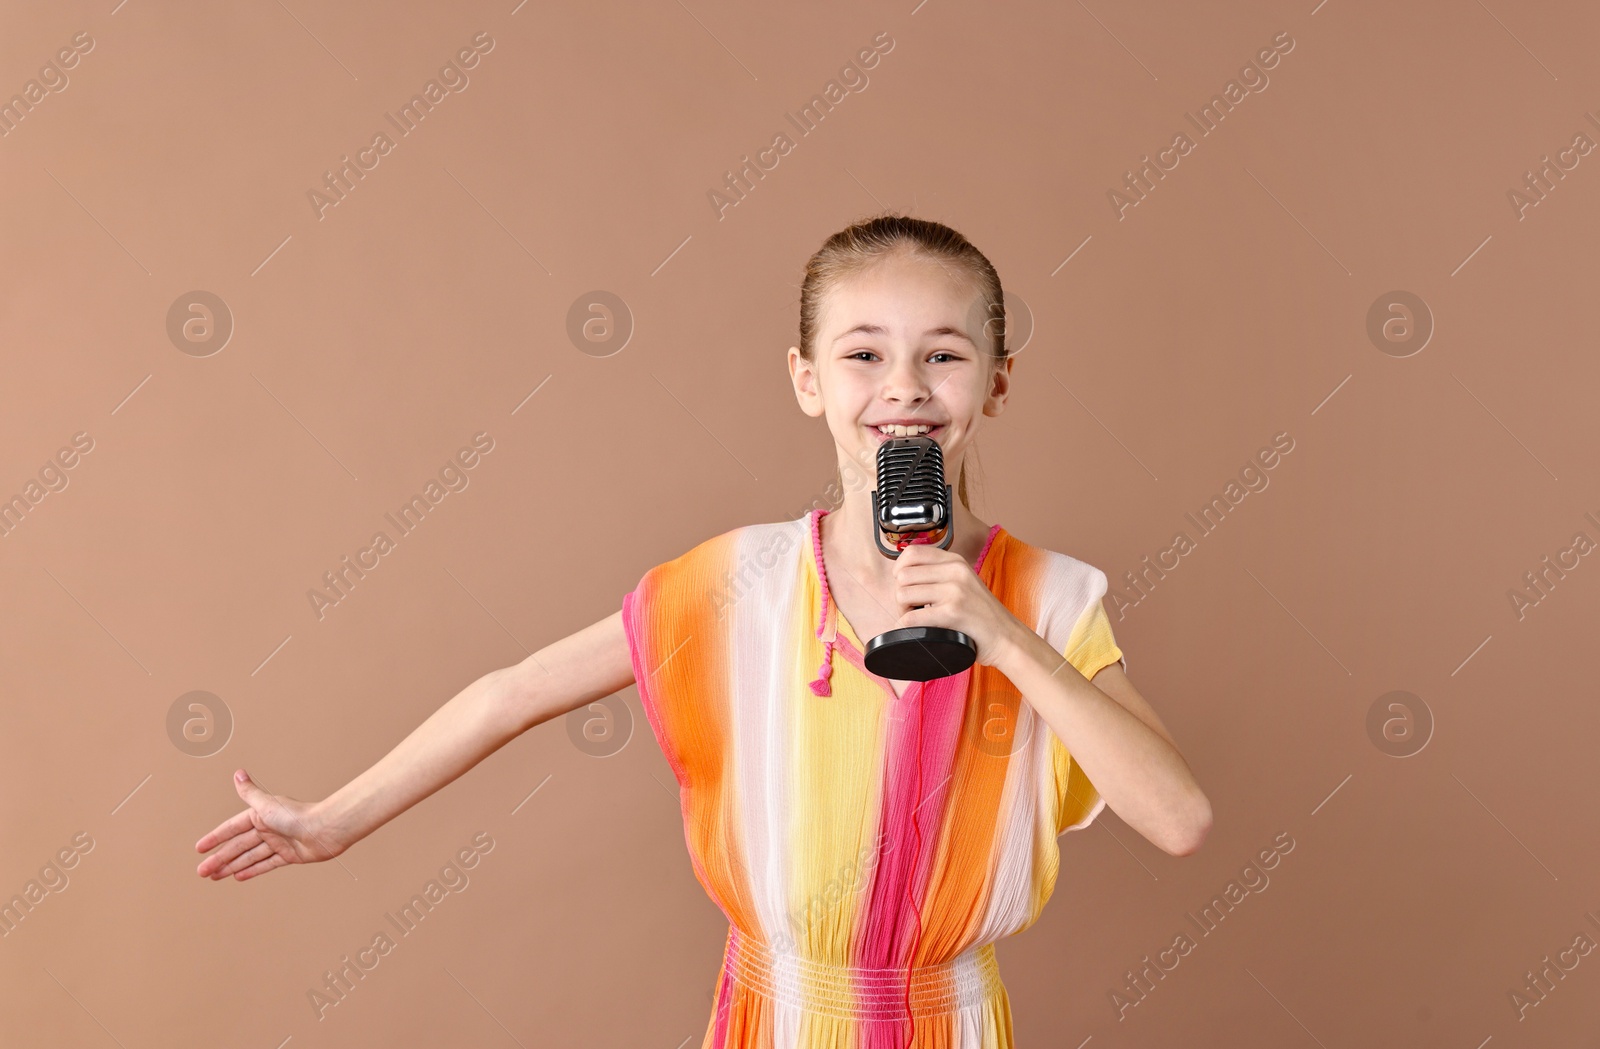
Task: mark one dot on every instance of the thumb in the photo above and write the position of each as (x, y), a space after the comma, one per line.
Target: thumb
(246, 786)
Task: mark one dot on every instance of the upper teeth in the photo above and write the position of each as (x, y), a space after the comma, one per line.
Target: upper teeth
(904, 431)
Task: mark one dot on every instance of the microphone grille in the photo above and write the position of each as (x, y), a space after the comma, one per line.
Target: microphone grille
(911, 485)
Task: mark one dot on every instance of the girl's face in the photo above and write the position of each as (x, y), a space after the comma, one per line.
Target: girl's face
(901, 342)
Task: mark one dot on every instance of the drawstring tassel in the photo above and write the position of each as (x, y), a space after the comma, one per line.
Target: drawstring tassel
(820, 686)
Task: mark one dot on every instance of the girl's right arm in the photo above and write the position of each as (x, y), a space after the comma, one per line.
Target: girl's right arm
(483, 717)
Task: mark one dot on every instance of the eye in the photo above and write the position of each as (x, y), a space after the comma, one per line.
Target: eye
(938, 353)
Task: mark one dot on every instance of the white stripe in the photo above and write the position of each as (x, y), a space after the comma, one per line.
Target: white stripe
(762, 672)
(1026, 843)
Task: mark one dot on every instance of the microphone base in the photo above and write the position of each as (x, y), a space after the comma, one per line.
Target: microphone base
(919, 653)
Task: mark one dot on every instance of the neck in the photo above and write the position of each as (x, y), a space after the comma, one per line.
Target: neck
(847, 538)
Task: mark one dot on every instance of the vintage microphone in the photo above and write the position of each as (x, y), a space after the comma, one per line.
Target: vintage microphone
(912, 504)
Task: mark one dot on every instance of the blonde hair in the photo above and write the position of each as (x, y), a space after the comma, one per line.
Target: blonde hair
(861, 244)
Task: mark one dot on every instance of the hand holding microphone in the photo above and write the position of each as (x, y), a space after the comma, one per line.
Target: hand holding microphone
(912, 505)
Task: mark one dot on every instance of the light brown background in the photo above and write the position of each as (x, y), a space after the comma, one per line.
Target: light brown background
(372, 343)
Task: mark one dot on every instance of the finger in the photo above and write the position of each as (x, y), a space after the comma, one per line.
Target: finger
(270, 863)
(248, 860)
(914, 594)
(251, 794)
(224, 830)
(233, 847)
(911, 573)
(926, 553)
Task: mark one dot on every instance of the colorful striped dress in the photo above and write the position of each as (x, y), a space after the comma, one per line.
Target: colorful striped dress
(867, 849)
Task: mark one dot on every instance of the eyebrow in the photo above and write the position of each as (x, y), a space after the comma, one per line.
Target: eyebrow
(878, 329)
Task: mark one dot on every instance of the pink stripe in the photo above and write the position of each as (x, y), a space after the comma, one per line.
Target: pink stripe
(719, 1035)
(890, 924)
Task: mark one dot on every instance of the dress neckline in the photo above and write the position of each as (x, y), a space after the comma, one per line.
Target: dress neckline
(829, 626)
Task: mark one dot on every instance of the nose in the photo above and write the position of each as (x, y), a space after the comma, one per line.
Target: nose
(905, 383)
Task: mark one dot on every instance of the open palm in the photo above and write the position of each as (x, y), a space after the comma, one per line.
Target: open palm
(273, 831)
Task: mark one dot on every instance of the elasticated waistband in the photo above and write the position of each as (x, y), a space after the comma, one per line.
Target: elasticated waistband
(969, 979)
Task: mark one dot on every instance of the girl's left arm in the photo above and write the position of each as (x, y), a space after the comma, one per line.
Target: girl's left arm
(1106, 725)
(1111, 731)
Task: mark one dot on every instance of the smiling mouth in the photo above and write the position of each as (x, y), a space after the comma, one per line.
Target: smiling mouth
(880, 437)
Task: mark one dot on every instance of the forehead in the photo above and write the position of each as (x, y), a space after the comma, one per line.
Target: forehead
(903, 295)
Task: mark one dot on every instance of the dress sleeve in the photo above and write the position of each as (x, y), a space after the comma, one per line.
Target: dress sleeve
(675, 624)
(1090, 648)
(645, 622)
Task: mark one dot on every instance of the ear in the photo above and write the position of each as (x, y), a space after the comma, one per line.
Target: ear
(999, 387)
(807, 383)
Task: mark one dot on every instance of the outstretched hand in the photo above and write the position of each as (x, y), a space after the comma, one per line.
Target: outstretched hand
(273, 831)
(954, 597)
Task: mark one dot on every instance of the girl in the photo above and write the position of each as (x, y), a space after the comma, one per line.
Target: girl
(869, 840)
